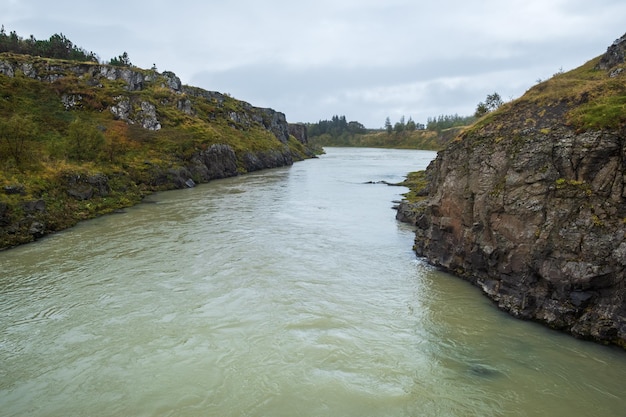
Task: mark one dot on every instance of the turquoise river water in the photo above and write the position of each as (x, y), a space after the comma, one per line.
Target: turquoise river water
(288, 292)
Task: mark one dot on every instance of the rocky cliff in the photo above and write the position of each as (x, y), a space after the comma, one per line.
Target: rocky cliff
(81, 139)
(529, 204)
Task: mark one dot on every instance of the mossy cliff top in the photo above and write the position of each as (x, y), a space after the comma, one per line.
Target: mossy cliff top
(589, 98)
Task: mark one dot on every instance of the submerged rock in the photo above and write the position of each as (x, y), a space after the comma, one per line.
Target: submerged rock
(484, 371)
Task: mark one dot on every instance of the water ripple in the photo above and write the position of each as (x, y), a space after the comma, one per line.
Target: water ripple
(287, 292)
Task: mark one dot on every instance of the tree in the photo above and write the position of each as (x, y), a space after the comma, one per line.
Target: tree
(121, 61)
(399, 126)
(388, 126)
(491, 103)
(336, 127)
(84, 142)
(356, 127)
(481, 109)
(494, 101)
(410, 125)
(15, 137)
(4, 40)
(116, 141)
(58, 46)
(14, 42)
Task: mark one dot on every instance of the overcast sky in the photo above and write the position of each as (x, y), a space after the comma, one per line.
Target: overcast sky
(365, 59)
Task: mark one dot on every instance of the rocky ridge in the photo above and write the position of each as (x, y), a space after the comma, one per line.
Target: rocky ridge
(127, 107)
(530, 203)
(150, 101)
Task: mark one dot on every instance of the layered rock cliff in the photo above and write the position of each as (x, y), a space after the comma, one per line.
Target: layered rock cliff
(81, 139)
(530, 203)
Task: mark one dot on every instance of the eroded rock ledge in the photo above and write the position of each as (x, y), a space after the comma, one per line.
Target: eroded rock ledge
(541, 230)
(534, 216)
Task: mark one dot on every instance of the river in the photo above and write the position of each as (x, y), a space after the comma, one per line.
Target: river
(288, 292)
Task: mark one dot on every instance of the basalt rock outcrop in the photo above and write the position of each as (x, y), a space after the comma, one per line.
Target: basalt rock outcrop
(530, 203)
(105, 136)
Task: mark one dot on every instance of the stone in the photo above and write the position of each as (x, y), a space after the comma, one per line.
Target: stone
(14, 189)
(148, 116)
(299, 131)
(29, 70)
(172, 81)
(37, 229)
(81, 192)
(7, 69)
(276, 123)
(84, 187)
(122, 109)
(185, 106)
(218, 161)
(614, 54)
(34, 206)
(71, 101)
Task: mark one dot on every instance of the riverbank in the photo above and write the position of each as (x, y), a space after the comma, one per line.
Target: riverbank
(36, 204)
(83, 139)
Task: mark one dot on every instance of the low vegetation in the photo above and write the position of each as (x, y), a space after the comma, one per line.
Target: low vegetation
(401, 135)
(586, 98)
(417, 184)
(57, 128)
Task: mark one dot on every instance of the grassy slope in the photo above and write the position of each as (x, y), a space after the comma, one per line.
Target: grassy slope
(583, 99)
(42, 143)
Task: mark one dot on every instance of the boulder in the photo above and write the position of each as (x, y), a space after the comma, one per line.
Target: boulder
(299, 131)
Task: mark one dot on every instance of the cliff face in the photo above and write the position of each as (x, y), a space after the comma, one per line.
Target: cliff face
(530, 203)
(99, 138)
(129, 107)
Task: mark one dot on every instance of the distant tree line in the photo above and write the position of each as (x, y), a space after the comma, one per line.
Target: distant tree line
(448, 121)
(435, 124)
(335, 127)
(57, 47)
(338, 126)
(402, 126)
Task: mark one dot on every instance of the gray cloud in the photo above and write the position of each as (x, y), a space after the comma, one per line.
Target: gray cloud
(367, 59)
